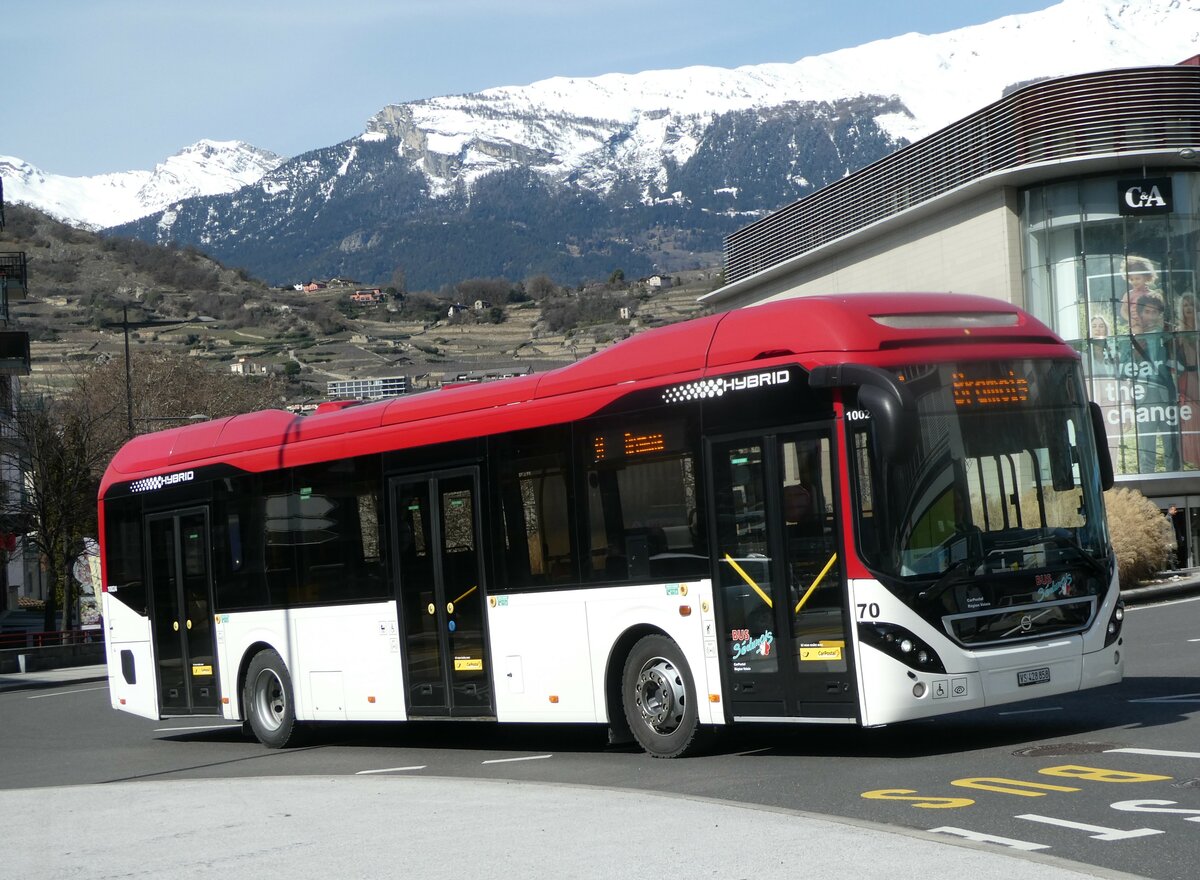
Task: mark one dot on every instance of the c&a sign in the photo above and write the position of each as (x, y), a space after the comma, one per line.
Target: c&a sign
(1151, 195)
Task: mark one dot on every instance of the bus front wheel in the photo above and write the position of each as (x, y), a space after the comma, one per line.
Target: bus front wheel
(660, 699)
(267, 698)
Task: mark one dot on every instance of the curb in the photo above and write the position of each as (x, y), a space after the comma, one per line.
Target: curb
(10, 685)
(1156, 591)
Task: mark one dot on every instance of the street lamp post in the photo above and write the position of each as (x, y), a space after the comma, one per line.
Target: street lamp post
(128, 375)
(153, 322)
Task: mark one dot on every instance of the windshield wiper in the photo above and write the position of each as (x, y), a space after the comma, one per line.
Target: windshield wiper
(1064, 538)
(959, 572)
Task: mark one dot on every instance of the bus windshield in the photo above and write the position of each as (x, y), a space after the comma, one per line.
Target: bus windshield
(1001, 477)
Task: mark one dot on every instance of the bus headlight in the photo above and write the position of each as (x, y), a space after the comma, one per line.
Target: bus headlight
(1114, 624)
(899, 643)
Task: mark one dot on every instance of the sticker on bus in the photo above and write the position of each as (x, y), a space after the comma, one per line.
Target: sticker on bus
(821, 652)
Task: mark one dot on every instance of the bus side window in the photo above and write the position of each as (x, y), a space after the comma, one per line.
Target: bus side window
(642, 501)
(238, 544)
(333, 526)
(536, 510)
(123, 539)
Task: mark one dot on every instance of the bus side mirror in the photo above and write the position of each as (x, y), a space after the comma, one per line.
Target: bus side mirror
(1103, 455)
(894, 431)
(881, 394)
(1062, 474)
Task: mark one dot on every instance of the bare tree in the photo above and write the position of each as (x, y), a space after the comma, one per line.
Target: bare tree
(65, 444)
(168, 390)
(63, 452)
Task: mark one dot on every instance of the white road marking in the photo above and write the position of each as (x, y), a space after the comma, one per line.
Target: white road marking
(980, 837)
(1029, 711)
(1101, 832)
(1160, 753)
(511, 760)
(67, 693)
(1173, 698)
(197, 727)
(1160, 604)
(391, 770)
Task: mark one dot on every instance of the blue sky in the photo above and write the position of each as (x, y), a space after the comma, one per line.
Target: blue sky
(93, 86)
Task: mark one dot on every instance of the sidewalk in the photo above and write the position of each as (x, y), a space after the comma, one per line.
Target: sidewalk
(1168, 585)
(442, 827)
(48, 678)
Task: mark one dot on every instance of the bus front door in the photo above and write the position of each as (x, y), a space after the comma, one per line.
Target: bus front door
(441, 595)
(780, 589)
(181, 612)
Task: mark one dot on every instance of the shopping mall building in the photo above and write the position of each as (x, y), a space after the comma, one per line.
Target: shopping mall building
(1076, 198)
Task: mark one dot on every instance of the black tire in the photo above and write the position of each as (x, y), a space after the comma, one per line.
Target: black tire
(267, 700)
(659, 698)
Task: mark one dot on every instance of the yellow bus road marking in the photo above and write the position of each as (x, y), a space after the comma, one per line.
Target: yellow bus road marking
(391, 770)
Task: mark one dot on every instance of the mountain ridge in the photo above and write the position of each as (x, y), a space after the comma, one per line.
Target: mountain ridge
(646, 172)
(207, 167)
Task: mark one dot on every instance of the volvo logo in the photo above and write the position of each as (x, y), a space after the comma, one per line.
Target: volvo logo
(1026, 623)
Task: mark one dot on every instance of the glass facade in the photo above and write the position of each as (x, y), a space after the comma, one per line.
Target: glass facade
(1111, 263)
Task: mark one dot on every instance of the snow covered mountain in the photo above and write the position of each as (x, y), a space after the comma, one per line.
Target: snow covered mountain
(597, 130)
(647, 171)
(204, 168)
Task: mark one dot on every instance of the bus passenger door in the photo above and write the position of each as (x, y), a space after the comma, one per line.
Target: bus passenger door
(780, 590)
(441, 595)
(181, 612)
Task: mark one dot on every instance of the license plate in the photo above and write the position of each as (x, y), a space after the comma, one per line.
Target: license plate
(1033, 676)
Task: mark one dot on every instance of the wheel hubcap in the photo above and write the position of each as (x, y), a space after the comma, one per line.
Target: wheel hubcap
(661, 698)
(269, 699)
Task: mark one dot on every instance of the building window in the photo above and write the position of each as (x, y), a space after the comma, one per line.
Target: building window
(1111, 263)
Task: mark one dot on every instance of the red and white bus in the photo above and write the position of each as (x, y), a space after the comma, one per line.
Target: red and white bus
(855, 509)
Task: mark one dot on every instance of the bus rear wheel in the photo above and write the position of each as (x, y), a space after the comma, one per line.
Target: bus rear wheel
(659, 698)
(267, 697)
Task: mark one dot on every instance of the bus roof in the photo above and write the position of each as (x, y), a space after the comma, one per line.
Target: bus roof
(877, 328)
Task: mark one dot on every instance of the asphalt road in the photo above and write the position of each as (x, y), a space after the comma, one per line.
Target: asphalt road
(1110, 778)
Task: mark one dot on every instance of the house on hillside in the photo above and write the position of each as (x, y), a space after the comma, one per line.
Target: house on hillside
(313, 286)
(243, 366)
(368, 295)
(659, 282)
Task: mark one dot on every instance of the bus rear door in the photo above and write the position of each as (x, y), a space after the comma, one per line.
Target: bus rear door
(441, 594)
(781, 595)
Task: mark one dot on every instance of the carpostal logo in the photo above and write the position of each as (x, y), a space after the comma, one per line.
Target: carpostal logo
(153, 484)
(704, 389)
